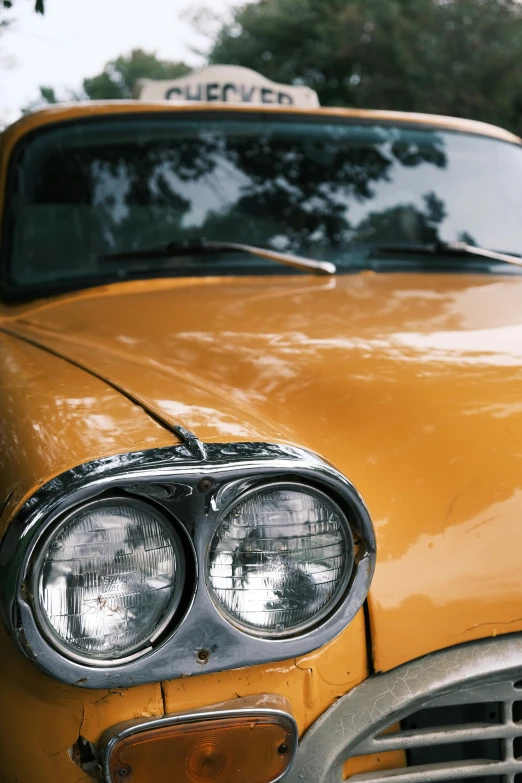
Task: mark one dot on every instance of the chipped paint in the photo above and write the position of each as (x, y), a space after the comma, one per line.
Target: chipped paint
(301, 681)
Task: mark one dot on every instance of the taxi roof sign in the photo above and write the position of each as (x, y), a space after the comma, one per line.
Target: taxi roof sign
(226, 84)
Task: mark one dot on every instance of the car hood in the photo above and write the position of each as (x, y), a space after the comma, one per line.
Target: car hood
(409, 384)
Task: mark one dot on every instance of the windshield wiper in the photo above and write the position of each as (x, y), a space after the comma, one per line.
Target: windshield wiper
(449, 248)
(202, 246)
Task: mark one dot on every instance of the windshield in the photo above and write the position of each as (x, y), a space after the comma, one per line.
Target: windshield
(326, 189)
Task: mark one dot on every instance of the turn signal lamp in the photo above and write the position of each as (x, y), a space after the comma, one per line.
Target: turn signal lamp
(255, 747)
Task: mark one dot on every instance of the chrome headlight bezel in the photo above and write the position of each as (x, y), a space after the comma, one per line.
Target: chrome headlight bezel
(192, 489)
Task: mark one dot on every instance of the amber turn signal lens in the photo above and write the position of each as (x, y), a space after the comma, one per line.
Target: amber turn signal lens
(239, 749)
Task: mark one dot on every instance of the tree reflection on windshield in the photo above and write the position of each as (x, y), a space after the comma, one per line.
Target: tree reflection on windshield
(313, 188)
(290, 193)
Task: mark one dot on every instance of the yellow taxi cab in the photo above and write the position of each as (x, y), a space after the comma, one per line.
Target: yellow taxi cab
(260, 441)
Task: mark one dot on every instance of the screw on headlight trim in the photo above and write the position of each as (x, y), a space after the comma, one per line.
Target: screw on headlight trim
(205, 485)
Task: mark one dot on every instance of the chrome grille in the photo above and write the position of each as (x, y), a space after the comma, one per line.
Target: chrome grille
(460, 712)
(472, 733)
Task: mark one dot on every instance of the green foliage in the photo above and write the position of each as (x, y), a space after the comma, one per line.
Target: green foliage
(116, 80)
(48, 95)
(6, 5)
(118, 77)
(457, 57)
(38, 6)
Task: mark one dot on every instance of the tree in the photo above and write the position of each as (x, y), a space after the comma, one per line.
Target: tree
(295, 193)
(6, 5)
(457, 57)
(118, 77)
(116, 80)
(38, 6)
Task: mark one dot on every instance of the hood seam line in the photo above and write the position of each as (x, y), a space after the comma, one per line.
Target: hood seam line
(100, 376)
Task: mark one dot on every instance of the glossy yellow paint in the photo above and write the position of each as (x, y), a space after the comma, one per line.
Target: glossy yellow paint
(58, 416)
(409, 384)
(54, 417)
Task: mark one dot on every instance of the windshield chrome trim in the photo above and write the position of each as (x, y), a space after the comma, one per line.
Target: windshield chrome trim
(229, 470)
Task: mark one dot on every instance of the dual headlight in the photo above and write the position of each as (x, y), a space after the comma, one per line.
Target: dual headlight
(112, 576)
(169, 562)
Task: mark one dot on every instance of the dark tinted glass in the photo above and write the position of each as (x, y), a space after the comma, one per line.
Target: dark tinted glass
(327, 190)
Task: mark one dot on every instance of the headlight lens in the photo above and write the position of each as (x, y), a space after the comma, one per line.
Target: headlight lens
(108, 579)
(280, 559)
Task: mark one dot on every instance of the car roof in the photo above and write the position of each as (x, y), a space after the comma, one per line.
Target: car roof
(83, 109)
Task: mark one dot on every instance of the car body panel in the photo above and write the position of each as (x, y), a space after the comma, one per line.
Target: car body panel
(408, 383)
(56, 416)
(77, 110)
(312, 682)
(54, 715)
(413, 381)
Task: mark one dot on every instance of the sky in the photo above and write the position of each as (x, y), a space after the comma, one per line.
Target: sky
(75, 38)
